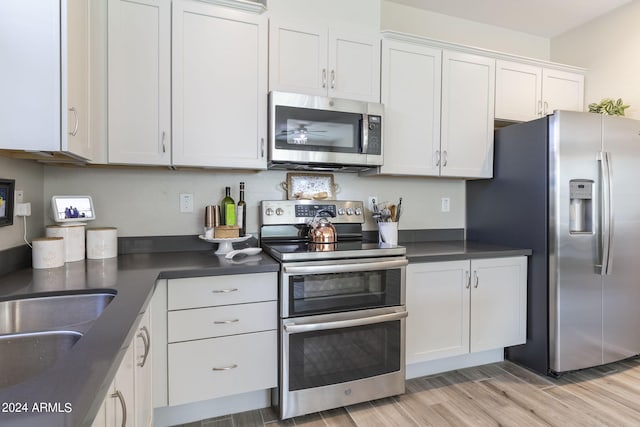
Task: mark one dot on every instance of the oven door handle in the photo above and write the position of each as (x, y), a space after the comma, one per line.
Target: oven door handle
(292, 328)
(344, 268)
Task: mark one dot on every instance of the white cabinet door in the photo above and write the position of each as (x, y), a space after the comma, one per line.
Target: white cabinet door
(317, 61)
(143, 372)
(438, 306)
(45, 88)
(498, 302)
(139, 65)
(75, 84)
(562, 90)
(411, 76)
(518, 91)
(467, 115)
(354, 66)
(219, 59)
(298, 58)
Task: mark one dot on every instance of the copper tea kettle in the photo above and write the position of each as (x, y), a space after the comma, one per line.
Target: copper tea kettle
(321, 230)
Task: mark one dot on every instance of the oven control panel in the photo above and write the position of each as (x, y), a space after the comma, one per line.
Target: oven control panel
(284, 212)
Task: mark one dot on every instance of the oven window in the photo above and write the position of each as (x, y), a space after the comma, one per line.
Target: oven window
(338, 355)
(335, 292)
(317, 130)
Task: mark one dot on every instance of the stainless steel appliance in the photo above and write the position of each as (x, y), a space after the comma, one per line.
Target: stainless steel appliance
(319, 133)
(566, 186)
(342, 309)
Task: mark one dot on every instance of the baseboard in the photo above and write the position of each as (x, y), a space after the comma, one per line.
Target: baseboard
(431, 367)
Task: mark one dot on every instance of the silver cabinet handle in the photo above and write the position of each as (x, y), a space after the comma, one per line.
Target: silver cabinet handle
(164, 136)
(262, 147)
(467, 279)
(324, 78)
(333, 79)
(292, 328)
(444, 158)
(123, 405)
(437, 157)
(146, 339)
(546, 107)
(344, 268)
(225, 368)
(476, 279)
(76, 122)
(540, 107)
(224, 291)
(225, 322)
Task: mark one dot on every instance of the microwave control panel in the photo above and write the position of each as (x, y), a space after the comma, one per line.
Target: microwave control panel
(375, 134)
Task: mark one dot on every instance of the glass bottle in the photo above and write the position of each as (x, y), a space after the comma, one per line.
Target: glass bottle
(241, 214)
(228, 208)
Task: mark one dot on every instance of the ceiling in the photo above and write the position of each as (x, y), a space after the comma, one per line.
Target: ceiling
(544, 18)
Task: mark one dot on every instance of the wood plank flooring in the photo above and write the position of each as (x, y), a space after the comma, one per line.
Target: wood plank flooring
(499, 394)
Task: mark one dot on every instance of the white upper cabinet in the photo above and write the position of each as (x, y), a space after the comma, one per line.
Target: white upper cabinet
(45, 89)
(411, 86)
(439, 108)
(318, 61)
(139, 82)
(219, 87)
(467, 115)
(529, 91)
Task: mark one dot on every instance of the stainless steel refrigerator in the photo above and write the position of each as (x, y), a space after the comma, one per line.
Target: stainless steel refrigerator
(568, 187)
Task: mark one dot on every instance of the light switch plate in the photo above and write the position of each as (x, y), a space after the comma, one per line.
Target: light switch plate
(186, 202)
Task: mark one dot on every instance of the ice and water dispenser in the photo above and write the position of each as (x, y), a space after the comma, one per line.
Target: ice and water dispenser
(581, 206)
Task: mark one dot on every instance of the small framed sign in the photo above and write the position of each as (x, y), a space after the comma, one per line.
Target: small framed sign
(7, 188)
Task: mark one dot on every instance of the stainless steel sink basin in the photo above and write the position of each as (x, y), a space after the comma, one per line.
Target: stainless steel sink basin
(26, 355)
(67, 312)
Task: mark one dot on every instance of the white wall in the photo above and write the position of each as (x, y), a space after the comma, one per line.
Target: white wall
(420, 22)
(609, 47)
(29, 177)
(144, 202)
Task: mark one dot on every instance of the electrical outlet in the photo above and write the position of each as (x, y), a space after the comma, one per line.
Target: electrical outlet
(19, 196)
(186, 202)
(445, 203)
(372, 199)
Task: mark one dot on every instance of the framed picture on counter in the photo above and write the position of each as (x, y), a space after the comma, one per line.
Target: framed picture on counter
(7, 187)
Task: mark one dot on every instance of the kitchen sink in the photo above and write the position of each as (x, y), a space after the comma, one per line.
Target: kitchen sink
(26, 355)
(75, 312)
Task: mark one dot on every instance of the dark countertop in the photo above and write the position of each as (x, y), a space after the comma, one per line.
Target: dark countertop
(82, 377)
(458, 250)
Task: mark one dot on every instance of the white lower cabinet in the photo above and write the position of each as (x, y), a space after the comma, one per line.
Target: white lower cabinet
(128, 401)
(460, 307)
(220, 337)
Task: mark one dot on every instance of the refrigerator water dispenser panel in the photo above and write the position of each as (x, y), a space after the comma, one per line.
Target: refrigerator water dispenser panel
(580, 206)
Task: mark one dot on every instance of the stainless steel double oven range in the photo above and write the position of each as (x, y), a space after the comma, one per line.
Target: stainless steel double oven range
(342, 309)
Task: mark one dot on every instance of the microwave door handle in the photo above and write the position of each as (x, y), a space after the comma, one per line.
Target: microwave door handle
(365, 133)
(292, 328)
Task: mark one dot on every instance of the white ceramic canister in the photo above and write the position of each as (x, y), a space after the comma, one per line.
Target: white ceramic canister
(48, 252)
(102, 242)
(74, 245)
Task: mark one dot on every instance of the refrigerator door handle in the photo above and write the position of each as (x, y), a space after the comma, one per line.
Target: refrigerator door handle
(605, 213)
(609, 264)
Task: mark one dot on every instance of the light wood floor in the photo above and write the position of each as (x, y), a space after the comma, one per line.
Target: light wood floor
(499, 394)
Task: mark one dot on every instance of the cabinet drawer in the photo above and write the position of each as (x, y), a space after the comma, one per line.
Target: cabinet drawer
(214, 322)
(221, 290)
(216, 367)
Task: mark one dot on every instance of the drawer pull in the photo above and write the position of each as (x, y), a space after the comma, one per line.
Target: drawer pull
(225, 322)
(226, 368)
(224, 291)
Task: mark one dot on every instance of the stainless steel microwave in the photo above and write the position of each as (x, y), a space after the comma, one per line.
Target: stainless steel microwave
(318, 133)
